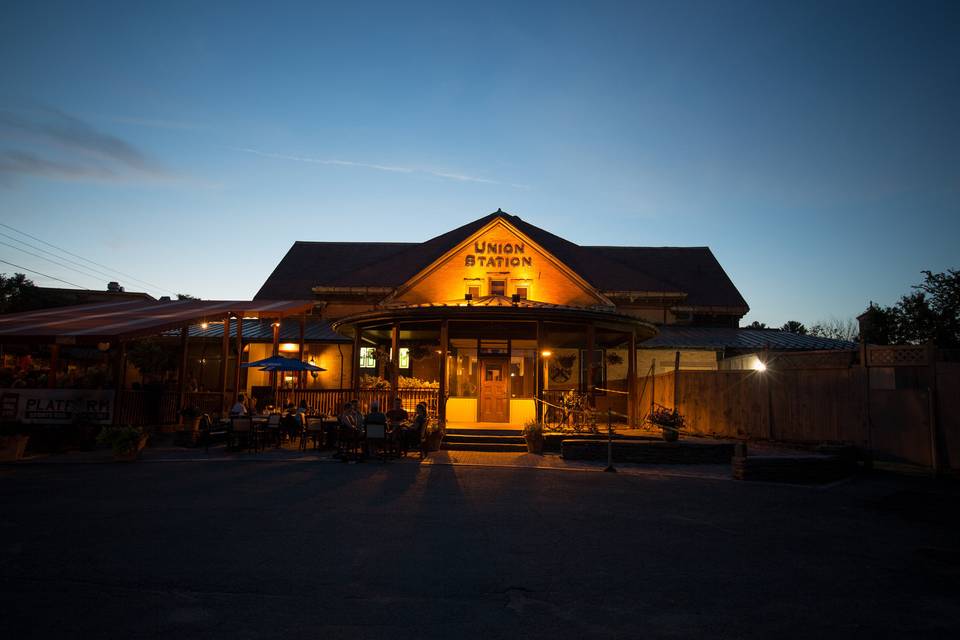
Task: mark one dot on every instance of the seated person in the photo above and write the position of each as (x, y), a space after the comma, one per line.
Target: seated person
(239, 408)
(398, 415)
(414, 434)
(375, 416)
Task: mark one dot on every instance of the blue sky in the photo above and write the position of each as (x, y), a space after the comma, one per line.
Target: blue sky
(815, 147)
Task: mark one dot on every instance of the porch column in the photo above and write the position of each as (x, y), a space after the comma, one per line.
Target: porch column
(54, 358)
(302, 375)
(394, 361)
(539, 371)
(182, 370)
(236, 373)
(224, 354)
(276, 351)
(442, 394)
(355, 361)
(591, 345)
(632, 399)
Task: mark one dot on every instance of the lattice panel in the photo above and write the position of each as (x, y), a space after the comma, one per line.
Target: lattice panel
(901, 356)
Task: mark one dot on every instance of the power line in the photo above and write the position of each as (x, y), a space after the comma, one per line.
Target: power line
(59, 264)
(72, 284)
(58, 256)
(126, 275)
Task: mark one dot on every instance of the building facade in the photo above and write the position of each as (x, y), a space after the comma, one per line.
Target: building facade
(499, 315)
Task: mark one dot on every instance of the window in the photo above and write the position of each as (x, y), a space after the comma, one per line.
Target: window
(404, 357)
(498, 287)
(522, 292)
(368, 358)
(474, 291)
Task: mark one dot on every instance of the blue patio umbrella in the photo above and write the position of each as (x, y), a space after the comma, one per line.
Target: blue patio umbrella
(290, 364)
(273, 361)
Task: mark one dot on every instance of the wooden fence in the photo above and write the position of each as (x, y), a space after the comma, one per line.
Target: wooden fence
(904, 413)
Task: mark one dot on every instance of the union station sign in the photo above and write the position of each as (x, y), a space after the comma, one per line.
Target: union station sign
(498, 254)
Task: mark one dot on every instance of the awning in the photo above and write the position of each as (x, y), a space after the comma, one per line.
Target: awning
(114, 321)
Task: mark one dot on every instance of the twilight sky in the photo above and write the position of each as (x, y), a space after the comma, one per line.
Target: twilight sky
(815, 147)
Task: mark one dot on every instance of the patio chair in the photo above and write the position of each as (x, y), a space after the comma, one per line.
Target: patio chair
(211, 429)
(377, 439)
(312, 428)
(271, 430)
(242, 429)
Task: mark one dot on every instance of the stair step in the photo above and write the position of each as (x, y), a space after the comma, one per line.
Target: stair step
(484, 439)
(484, 446)
(466, 431)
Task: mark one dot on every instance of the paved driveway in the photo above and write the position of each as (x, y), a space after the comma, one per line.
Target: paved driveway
(292, 549)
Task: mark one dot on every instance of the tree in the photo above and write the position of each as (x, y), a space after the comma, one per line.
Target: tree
(186, 296)
(836, 329)
(930, 314)
(17, 293)
(794, 326)
(151, 357)
(756, 325)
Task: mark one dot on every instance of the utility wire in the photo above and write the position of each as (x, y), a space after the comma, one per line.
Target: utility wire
(126, 275)
(72, 284)
(58, 256)
(59, 264)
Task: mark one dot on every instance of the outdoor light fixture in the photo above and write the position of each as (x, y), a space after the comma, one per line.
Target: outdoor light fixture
(546, 354)
(759, 365)
(275, 324)
(204, 325)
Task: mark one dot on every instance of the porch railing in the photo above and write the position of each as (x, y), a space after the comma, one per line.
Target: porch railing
(331, 401)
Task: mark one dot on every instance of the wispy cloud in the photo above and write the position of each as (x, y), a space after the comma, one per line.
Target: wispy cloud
(46, 142)
(447, 175)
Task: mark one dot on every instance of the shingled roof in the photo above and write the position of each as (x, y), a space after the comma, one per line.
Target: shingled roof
(690, 270)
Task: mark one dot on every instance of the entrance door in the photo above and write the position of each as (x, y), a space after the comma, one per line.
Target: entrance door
(494, 397)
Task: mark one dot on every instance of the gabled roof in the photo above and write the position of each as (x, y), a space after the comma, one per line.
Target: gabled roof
(691, 270)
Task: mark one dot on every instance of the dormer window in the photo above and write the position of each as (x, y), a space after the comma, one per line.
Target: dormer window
(498, 287)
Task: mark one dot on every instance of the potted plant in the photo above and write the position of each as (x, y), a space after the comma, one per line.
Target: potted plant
(190, 418)
(533, 434)
(126, 442)
(670, 422)
(13, 441)
(434, 437)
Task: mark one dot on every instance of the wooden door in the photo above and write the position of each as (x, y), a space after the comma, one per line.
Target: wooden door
(494, 388)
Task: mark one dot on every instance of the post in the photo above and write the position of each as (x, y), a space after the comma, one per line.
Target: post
(591, 345)
(539, 372)
(54, 357)
(302, 375)
(182, 370)
(394, 361)
(932, 400)
(633, 402)
(609, 468)
(676, 381)
(224, 354)
(119, 379)
(236, 374)
(355, 366)
(276, 351)
(442, 399)
(653, 384)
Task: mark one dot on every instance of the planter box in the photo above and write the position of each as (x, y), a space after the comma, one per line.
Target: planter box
(13, 447)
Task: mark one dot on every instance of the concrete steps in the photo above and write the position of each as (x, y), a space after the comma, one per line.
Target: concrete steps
(502, 440)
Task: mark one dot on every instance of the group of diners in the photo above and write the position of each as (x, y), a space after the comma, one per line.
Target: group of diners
(355, 435)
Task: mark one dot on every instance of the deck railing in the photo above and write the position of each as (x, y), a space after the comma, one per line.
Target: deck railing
(331, 401)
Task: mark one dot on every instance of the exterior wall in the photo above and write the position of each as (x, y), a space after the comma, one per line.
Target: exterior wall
(324, 355)
(545, 281)
(690, 360)
(462, 410)
(522, 410)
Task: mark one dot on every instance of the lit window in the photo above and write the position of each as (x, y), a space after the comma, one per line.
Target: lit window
(522, 292)
(404, 357)
(474, 292)
(498, 287)
(367, 358)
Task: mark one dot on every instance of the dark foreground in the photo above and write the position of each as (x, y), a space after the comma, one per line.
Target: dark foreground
(255, 549)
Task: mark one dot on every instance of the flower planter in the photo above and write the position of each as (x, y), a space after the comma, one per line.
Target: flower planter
(132, 454)
(670, 435)
(12, 447)
(534, 444)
